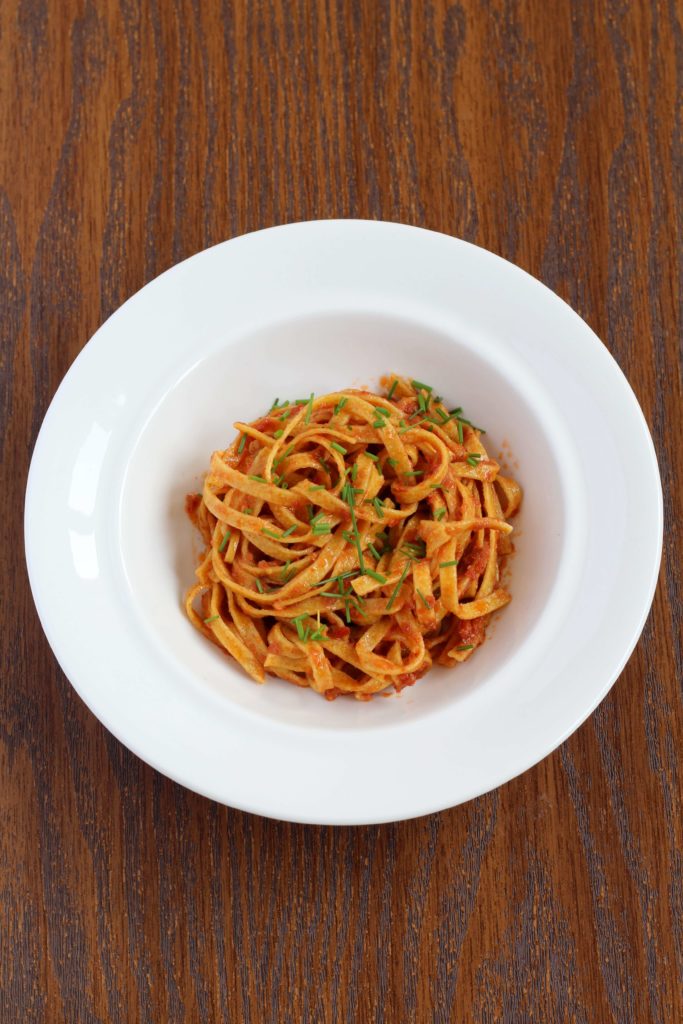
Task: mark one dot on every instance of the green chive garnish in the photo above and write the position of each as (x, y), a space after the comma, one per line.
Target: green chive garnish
(415, 472)
(317, 487)
(338, 447)
(419, 386)
(378, 424)
(212, 618)
(379, 508)
(473, 459)
(393, 463)
(374, 551)
(259, 585)
(393, 597)
(439, 514)
(340, 405)
(290, 530)
(393, 387)
(285, 572)
(465, 647)
(288, 451)
(279, 433)
(224, 542)
(309, 410)
(445, 565)
(243, 441)
(424, 600)
(376, 575)
(271, 533)
(258, 479)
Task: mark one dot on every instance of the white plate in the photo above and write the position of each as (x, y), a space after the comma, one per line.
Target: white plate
(318, 306)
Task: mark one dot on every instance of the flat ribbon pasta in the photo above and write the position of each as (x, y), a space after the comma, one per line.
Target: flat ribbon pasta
(351, 541)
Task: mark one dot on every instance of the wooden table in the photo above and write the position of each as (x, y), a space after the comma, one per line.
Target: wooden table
(135, 134)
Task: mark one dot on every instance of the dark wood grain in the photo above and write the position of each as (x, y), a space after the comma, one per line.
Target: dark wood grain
(134, 134)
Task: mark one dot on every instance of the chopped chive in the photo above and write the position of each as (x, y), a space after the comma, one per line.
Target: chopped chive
(350, 500)
(392, 388)
(259, 479)
(419, 386)
(317, 487)
(382, 411)
(259, 585)
(445, 565)
(443, 414)
(275, 405)
(415, 472)
(424, 600)
(226, 538)
(474, 458)
(285, 571)
(393, 463)
(321, 529)
(288, 451)
(465, 647)
(309, 409)
(354, 472)
(339, 576)
(371, 455)
(290, 530)
(460, 433)
(435, 487)
(375, 575)
(324, 464)
(247, 512)
(374, 551)
(340, 405)
(271, 533)
(439, 514)
(279, 433)
(243, 441)
(379, 508)
(414, 550)
(378, 424)
(212, 618)
(299, 629)
(422, 404)
(393, 597)
(314, 519)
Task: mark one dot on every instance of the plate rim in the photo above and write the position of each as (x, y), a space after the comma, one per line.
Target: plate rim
(99, 337)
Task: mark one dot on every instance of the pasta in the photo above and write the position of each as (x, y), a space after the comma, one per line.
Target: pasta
(352, 540)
